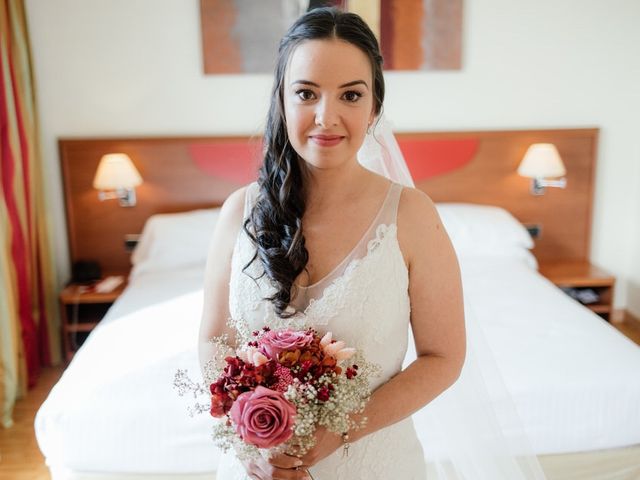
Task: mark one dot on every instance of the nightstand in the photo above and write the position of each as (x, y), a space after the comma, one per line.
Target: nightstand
(577, 277)
(81, 310)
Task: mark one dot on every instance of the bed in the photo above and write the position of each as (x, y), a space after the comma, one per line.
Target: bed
(114, 409)
(574, 378)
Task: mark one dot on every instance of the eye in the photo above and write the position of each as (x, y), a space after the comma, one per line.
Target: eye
(352, 96)
(305, 94)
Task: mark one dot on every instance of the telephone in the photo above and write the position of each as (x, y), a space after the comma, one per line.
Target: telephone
(86, 271)
(108, 284)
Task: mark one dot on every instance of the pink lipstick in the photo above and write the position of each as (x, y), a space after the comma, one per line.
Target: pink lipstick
(327, 140)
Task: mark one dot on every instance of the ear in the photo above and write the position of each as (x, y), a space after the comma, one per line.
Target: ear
(372, 115)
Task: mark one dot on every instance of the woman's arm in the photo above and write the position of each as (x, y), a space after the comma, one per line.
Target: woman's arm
(437, 317)
(215, 311)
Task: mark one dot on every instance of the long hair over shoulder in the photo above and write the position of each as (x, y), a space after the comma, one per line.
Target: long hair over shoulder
(275, 221)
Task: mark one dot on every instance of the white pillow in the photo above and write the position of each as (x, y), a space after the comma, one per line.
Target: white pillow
(174, 240)
(483, 229)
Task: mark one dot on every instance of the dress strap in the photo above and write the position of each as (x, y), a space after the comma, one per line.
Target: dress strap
(389, 213)
(250, 198)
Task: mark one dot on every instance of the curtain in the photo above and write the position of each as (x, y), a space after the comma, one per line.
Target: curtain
(29, 332)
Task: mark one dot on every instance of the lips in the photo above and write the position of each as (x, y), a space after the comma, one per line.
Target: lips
(326, 140)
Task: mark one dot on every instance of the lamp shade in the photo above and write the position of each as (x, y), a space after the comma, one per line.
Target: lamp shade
(542, 160)
(116, 170)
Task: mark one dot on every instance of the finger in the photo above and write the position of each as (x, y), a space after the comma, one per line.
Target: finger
(284, 460)
(258, 473)
(289, 474)
(271, 472)
(295, 451)
(255, 475)
(308, 459)
(259, 469)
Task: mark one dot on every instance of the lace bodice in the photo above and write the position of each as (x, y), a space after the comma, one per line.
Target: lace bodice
(364, 302)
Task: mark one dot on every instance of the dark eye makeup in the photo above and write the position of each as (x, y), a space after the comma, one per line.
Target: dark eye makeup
(305, 94)
(351, 96)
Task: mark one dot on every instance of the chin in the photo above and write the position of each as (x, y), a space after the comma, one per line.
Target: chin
(327, 157)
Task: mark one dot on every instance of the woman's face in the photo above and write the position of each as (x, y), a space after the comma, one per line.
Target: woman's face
(328, 101)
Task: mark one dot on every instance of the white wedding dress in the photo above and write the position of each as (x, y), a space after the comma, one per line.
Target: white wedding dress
(364, 302)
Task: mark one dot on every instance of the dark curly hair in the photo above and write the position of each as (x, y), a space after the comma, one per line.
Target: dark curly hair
(275, 221)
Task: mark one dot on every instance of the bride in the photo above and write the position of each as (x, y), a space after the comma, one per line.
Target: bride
(319, 240)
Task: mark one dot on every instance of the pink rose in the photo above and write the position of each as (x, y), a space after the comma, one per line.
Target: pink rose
(276, 341)
(263, 418)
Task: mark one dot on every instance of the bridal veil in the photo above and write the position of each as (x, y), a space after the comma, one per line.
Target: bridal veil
(473, 428)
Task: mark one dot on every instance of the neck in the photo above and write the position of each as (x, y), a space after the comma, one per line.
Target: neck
(329, 188)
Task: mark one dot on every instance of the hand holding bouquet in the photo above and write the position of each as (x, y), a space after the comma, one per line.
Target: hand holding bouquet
(281, 385)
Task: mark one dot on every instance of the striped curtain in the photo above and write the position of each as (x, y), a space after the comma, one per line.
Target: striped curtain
(29, 336)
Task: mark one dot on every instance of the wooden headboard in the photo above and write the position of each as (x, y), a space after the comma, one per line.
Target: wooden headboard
(186, 173)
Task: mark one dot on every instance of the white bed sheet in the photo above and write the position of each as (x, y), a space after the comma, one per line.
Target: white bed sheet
(573, 376)
(127, 366)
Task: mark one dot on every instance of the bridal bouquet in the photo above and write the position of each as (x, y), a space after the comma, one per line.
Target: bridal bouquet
(279, 386)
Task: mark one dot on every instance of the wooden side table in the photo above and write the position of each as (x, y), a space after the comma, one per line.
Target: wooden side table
(81, 310)
(583, 275)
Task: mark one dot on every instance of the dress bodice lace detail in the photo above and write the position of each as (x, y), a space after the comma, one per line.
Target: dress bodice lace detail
(321, 309)
(366, 304)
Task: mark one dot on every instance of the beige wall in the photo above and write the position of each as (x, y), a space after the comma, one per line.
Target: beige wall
(633, 284)
(133, 67)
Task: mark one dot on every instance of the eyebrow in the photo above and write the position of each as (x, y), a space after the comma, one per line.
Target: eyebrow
(348, 84)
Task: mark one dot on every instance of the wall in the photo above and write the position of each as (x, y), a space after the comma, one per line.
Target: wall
(633, 283)
(133, 67)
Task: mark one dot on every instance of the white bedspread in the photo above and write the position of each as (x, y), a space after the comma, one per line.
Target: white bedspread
(115, 409)
(574, 377)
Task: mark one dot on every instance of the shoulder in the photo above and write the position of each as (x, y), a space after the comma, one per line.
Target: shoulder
(233, 208)
(418, 224)
(416, 212)
(415, 202)
(234, 204)
(231, 217)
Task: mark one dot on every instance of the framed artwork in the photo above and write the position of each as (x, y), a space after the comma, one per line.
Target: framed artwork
(241, 36)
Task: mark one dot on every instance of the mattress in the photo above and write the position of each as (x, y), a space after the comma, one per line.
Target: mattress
(573, 376)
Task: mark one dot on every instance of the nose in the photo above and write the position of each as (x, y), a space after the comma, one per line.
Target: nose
(326, 114)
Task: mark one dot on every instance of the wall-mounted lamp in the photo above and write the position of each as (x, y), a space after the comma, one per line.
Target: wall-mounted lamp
(117, 177)
(543, 161)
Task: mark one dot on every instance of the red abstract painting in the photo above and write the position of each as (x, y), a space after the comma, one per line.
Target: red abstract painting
(240, 36)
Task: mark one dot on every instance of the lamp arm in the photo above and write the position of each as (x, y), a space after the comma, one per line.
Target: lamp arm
(560, 183)
(107, 195)
(126, 196)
